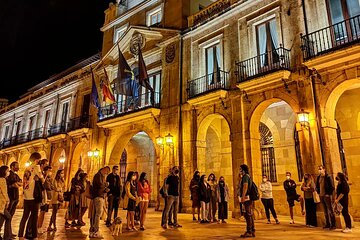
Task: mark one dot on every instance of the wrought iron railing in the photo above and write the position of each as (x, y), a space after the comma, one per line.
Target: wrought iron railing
(208, 83)
(128, 104)
(331, 38)
(58, 129)
(79, 122)
(24, 137)
(270, 61)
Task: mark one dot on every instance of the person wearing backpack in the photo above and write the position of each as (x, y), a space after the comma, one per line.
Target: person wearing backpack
(247, 186)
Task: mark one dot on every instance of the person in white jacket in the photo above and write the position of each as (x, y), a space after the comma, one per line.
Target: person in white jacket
(267, 199)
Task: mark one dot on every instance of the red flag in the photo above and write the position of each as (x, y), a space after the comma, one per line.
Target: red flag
(143, 76)
(108, 95)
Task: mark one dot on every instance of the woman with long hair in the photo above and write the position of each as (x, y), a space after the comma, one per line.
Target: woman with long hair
(130, 200)
(84, 184)
(194, 191)
(137, 209)
(222, 193)
(74, 210)
(213, 199)
(342, 197)
(308, 187)
(57, 197)
(4, 200)
(205, 191)
(144, 191)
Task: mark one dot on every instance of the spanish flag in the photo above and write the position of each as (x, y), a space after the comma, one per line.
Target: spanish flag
(108, 95)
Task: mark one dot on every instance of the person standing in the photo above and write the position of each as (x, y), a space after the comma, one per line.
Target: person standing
(194, 191)
(267, 199)
(137, 209)
(99, 191)
(144, 190)
(33, 178)
(172, 189)
(13, 182)
(222, 193)
(204, 193)
(74, 210)
(114, 194)
(84, 195)
(4, 200)
(164, 194)
(247, 207)
(130, 201)
(213, 198)
(325, 188)
(292, 196)
(48, 187)
(57, 198)
(342, 197)
(308, 187)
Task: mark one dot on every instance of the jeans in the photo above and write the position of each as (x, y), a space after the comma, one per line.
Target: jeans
(11, 209)
(30, 218)
(249, 216)
(345, 212)
(163, 220)
(269, 206)
(98, 204)
(204, 210)
(55, 208)
(172, 204)
(113, 205)
(328, 210)
(212, 208)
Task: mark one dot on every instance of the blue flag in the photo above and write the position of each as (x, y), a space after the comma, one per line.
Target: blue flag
(94, 94)
(125, 77)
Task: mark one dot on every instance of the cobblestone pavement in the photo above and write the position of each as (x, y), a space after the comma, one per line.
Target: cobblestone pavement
(193, 230)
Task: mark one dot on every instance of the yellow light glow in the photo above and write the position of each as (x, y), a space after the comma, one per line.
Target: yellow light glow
(303, 118)
(62, 159)
(96, 153)
(169, 139)
(27, 164)
(90, 153)
(159, 141)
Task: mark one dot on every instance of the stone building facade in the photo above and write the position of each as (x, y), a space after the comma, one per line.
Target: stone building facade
(270, 83)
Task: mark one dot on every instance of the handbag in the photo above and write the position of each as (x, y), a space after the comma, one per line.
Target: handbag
(337, 208)
(67, 196)
(316, 197)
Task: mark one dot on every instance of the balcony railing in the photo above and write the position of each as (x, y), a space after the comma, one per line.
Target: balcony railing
(271, 61)
(128, 104)
(331, 38)
(209, 12)
(24, 137)
(79, 122)
(59, 128)
(208, 83)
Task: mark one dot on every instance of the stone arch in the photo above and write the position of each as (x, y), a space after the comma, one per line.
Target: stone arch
(255, 119)
(55, 164)
(78, 160)
(336, 93)
(214, 150)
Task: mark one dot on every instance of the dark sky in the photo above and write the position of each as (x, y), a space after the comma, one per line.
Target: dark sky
(40, 38)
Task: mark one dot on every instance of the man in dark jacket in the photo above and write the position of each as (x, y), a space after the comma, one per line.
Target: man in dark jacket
(325, 188)
(114, 194)
(99, 190)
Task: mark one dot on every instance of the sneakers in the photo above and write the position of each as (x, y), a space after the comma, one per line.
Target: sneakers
(194, 218)
(91, 234)
(247, 235)
(164, 226)
(347, 230)
(292, 221)
(177, 226)
(268, 221)
(277, 221)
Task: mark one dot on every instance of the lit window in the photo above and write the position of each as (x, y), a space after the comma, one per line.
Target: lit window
(119, 32)
(213, 63)
(267, 43)
(154, 16)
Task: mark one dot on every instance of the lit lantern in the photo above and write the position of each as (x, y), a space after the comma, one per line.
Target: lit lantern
(27, 164)
(169, 139)
(160, 141)
(303, 118)
(96, 153)
(62, 159)
(90, 153)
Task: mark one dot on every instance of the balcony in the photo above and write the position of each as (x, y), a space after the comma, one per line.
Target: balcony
(264, 69)
(36, 134)
(211, 11)
(320, 48)
(208, 87)
(73, 125)
(129, 108)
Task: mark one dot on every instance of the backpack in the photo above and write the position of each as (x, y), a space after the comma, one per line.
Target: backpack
(253, 192)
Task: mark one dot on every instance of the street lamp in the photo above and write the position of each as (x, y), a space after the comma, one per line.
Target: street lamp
(169, 139)
(160, 142)
(303, 118)
(62, 159)
(27, 164)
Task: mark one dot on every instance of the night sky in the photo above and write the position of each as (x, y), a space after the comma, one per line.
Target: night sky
(40, 38)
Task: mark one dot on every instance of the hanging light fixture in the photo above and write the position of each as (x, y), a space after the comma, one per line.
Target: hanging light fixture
(303, 118)
(169, 139)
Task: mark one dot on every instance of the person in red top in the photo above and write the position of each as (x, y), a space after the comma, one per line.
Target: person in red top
(144, 191)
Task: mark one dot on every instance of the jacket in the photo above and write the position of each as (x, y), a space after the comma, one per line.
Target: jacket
(226, 193)
(57, 190)
(99, 185)
(128, 195)
(142, 190)
(266, 190)
(114, 185)
(4, 198)
(205, 192)
(329, 185)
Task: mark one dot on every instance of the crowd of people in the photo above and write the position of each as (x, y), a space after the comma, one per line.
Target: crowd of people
(209, 196)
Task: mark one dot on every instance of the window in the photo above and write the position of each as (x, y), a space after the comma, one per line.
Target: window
(64, 115)
(340, 10)
(154, 16)
(119, 32)
(6, 132)
(213, 63)
(47, 119)
(146, 98)
(267, 153)
(267, 43)
(123, 164)
(298, 155)
(31, 123)
(18, 128)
